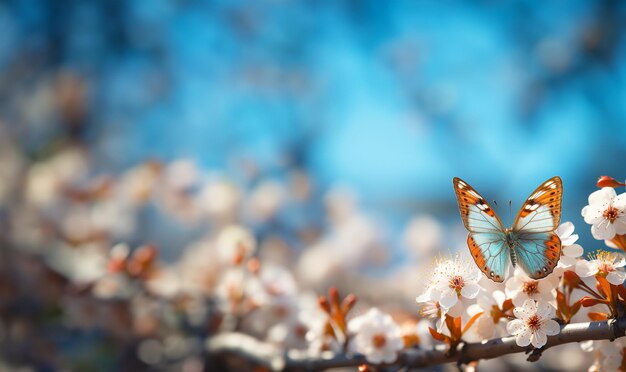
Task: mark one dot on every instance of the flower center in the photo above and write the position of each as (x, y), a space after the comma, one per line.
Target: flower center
(611, 213)
(531, 287)
(456, 283)
(379, 340)
(533, 322)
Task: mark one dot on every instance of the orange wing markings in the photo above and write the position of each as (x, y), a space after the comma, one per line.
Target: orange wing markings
(549, 194)
(479, 258)
(466, 196)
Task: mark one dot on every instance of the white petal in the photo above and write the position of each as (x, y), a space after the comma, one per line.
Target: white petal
(620, 261)
(586, 268)
(523, 338)
(569, 240)
(620, 225)
(544, 309)
(470, 290)
(515, 326)
(574, 250)
(620, 201)
(603, 230)
(603, 196)
(592, 214)
(551, 328)
(448, 299)
(538, 339)
(374, 358)
(567, 262)
(616, 277)
(610, 244)
(565, 229)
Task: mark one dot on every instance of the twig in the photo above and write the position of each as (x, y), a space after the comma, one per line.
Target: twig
(276, 359)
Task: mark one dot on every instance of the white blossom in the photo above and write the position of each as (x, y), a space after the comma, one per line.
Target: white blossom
(520, 287)
(570, 251)
(533, 323)
(376, 336)
(606, 264)
(606, 213)
(452, 279)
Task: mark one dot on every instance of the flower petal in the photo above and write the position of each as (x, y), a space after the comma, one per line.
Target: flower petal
(565, 229)
(603, 230)
(574, 250)
(544, 309)
(551, 327)
(620, 201)
(592, 214)
(603, 196)
(523, 338)
(448, 299)
(616, 277)
(470, 290)
(586, 268)
(515, 326)
(538, 339)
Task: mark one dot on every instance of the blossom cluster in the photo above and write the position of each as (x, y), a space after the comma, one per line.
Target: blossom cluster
(244, 257)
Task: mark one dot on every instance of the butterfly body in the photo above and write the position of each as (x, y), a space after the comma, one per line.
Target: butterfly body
(530, 243)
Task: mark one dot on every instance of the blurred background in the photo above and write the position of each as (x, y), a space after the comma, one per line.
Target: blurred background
(331, 130)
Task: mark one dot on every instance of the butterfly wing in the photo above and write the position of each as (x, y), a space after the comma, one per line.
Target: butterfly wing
(487, 238)
(536, 246)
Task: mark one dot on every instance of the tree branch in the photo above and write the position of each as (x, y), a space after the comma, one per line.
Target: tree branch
(276, 359)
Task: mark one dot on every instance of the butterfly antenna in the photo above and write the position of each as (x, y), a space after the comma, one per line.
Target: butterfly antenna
(495, 202)
(510, 209)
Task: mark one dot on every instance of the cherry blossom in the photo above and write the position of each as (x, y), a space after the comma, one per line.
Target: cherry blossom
(570, 251)
(606, 213)
(376, 336)
(606, 264)
(533, 323)
(520, 287)
(452, 279)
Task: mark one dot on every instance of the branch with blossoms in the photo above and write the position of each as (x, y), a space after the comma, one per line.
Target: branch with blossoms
(244, 346)
(234, 299)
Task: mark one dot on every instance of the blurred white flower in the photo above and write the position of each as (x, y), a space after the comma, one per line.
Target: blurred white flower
(181, 175)
(219, 199)
(81, 265)
(520, 287)
(489, 303)
(606, 213)
(423, 235)
(570, 251)
(452, 279)
(239, 292)
(609, 355)
(235, 244)
(606, 264)
(376, 336)
(533, 323)
(265, 200)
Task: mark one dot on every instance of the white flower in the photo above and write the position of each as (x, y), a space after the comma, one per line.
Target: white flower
(235, 244)
(609, 355)
(533, 324)
(376, 336)
(603, 263)
(490, 304)
(452, 280)
(520, 287)
(569, 250)
(606, 213)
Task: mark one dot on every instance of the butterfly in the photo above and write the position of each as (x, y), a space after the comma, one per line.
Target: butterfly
(530, 243)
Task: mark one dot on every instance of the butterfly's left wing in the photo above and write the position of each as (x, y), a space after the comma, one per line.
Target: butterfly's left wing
(536, 246)
(486, 239)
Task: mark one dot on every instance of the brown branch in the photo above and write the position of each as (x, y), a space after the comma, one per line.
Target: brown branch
(275, 358)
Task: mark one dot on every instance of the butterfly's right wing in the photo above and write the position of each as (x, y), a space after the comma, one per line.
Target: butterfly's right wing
(487, 237)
